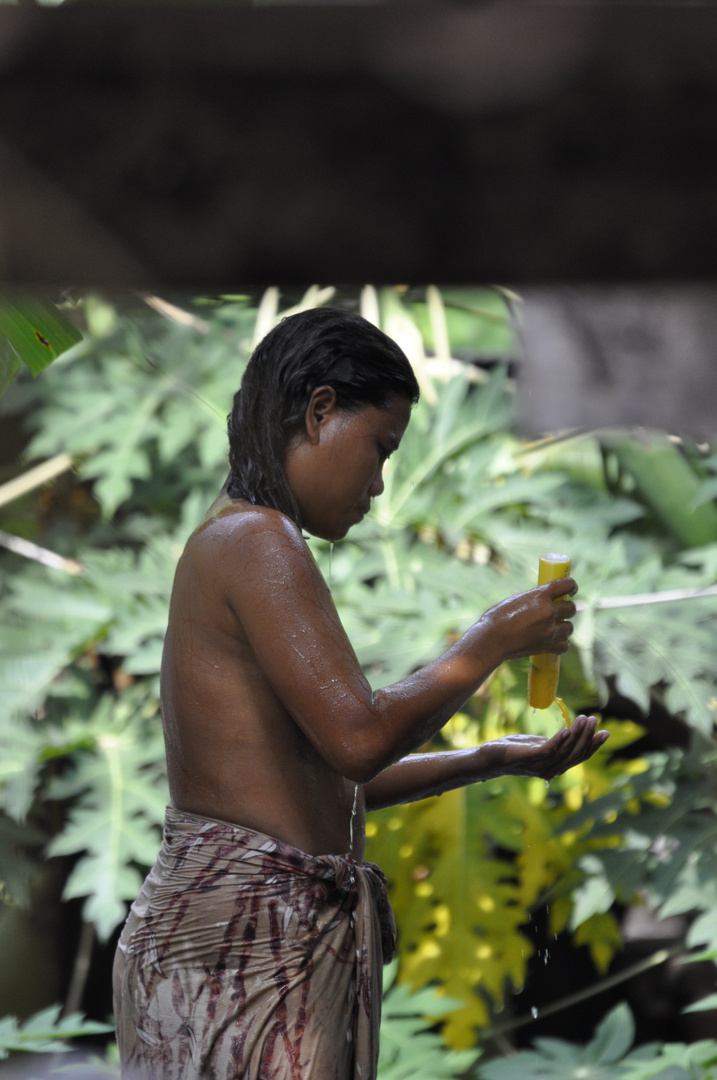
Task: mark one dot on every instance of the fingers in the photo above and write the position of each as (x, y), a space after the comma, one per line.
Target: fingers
(534, 622)
(562, 610)
(586, 726)
(575, 745)
(561, 636)
(564, 586)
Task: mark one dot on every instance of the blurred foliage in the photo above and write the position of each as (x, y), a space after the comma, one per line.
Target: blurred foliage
(45, 1032)
(410, 1050)
(608, 1057)
(468, 507)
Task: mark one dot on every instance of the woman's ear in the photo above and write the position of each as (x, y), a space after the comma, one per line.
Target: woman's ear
(321, 404)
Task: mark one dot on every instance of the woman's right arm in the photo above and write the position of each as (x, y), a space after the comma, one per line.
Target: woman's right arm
(276, 592)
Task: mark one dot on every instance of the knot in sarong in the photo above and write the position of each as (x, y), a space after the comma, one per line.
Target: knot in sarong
(348, 875)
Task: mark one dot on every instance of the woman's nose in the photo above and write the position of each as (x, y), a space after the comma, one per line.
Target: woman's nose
(377, 486)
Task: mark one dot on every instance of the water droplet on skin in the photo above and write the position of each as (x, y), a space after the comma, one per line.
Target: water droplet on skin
(534, 1011)
(547, 783)
(331, 556)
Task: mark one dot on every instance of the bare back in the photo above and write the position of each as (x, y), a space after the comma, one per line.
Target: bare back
(234, 750)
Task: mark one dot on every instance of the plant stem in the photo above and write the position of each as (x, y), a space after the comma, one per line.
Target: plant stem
(19, 546)
(665, 597)
(33, 478)
(80, 970)
(174, 313)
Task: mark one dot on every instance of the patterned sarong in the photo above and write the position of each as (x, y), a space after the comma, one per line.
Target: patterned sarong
(246, 959)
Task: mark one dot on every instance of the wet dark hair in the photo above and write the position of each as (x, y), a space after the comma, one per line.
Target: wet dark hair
(320, 347)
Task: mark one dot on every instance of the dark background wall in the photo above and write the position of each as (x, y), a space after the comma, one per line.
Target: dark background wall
(206, 146)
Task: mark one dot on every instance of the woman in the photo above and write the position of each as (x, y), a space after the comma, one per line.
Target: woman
(255, 947)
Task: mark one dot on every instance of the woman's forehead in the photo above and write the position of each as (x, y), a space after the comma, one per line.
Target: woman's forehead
(399, 413)
(388, 421)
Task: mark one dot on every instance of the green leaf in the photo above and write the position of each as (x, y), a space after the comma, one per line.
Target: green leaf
(38, 332)
(675, 1061)
(595, 896)
(409, 1050)
(460, 908)
(115, 819)
(45, 1032)
(705, 1004)
(92, 1067)
(33, 652)
(707, 492)
(557, 1059)
(9, 364)
(613, 1037)
(670, 486)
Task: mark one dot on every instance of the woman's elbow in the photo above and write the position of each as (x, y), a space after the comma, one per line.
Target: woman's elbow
(361, 763)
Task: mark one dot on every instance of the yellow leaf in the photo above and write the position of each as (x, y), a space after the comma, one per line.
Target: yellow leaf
(458, 907)
(601, 933)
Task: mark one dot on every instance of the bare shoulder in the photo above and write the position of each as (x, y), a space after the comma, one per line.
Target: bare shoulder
(249, 542)
(235, 524)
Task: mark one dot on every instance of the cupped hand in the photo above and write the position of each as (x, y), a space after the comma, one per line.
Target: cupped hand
(533, 622)
(533, 755)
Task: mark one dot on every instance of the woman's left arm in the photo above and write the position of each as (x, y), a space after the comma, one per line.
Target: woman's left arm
(421, 775)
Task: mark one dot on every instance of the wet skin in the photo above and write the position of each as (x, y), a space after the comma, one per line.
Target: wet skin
(269, 721)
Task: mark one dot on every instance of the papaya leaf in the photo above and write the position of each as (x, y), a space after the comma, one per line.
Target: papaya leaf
(21, 745)
(556, 1059)
(458, 908)
(45, 1032)
(114, 820)
(409, 1049)
(33, 651)
(675, 1061)
(613, 1037)
(670, 486)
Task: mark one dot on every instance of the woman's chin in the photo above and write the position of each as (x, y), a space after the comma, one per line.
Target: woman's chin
(334, 530)
(324, 532)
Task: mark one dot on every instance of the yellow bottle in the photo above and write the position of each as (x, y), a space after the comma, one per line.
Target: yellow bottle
(545, 667)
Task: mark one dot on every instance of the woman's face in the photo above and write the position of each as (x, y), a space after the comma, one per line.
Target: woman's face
(335, 468)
